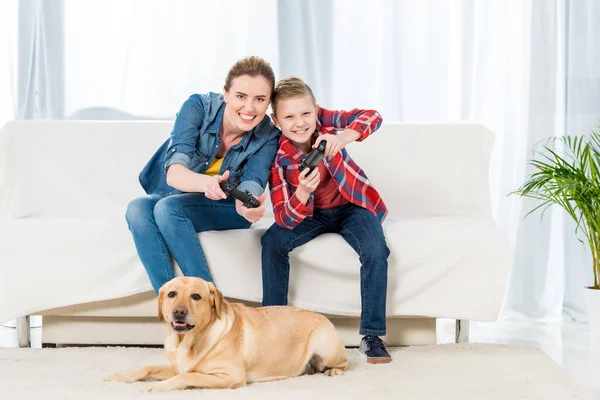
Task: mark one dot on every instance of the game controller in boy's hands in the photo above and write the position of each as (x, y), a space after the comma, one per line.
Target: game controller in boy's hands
(313, 158)
(246, 198)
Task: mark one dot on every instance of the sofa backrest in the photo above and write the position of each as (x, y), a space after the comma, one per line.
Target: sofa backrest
(74, 168)
(429, 170)
(90, 168)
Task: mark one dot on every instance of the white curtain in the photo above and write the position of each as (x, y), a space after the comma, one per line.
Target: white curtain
(527, 69)
(8, 59)
(582, 115)
(136, 59)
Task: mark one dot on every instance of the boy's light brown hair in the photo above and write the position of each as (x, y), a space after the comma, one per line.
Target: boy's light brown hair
(289, 87)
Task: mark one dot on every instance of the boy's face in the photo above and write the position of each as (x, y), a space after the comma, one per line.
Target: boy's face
(297, 118)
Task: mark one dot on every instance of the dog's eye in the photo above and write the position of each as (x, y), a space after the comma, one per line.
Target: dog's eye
(196, 296)
(172, 294)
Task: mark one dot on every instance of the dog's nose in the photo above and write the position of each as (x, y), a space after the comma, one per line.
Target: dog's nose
(179, 312)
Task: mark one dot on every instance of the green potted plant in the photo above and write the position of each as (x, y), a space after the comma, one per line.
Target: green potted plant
(567, 173)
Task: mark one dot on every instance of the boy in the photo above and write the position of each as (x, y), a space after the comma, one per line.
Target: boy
(335, 197)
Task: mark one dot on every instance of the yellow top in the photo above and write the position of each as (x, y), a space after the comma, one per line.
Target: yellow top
(215, 167)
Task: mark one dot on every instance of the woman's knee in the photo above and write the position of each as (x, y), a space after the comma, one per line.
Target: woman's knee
(140, 211)
(165, 209)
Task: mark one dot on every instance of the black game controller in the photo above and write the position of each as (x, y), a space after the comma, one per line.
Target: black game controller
(231, 190)
(313, 158)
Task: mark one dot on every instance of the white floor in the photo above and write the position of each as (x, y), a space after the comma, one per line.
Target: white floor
(568, 344)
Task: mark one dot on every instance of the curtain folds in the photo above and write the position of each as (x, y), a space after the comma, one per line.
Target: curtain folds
(8, 60)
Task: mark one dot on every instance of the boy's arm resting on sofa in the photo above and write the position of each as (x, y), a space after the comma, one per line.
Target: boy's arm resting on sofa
(364, 122)
(288, 209)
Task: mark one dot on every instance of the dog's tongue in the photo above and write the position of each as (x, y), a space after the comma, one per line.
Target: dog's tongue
(181, 324)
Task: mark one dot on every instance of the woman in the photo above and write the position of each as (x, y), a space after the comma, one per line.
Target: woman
(216, 138)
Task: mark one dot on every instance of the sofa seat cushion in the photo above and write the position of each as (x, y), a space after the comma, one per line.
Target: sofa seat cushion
(55, 262)
(436, 266)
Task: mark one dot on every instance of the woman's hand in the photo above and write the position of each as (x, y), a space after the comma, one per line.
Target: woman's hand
(252, 214)
(213, 188)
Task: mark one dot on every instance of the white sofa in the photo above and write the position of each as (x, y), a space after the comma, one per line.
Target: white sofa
(66, 252)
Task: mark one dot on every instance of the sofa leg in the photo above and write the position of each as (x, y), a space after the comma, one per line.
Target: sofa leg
(23, 331)
(462, 331)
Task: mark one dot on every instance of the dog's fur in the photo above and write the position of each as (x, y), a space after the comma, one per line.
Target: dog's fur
(216, 344)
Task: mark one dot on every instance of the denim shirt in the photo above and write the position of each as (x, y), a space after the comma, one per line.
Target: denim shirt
(195, 141)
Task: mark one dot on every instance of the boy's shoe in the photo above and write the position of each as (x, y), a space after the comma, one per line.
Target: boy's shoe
(374, 349)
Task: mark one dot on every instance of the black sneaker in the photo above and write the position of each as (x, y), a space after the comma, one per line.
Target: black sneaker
(374, 349)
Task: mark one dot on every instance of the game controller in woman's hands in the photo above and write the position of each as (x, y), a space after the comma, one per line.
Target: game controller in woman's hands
(313, 158)
(246, 198)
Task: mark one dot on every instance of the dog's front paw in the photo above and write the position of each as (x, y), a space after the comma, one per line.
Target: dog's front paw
(156, 388)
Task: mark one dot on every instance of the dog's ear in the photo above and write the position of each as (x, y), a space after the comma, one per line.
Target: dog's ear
(161, 297)
(216, 298)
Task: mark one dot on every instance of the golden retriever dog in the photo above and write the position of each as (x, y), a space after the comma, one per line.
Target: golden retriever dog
(216, 344)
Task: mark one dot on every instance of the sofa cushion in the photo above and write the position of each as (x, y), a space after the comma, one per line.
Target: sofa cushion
(436, 267)
(90, 169)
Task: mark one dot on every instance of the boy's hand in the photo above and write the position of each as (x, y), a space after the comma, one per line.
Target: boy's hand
(252, 214)
(213, 187)
(334, 144)
(309, 183)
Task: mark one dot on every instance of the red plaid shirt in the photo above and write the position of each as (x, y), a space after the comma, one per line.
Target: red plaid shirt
(352, 182)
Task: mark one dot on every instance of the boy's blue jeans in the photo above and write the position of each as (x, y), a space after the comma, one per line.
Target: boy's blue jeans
(165, 226)
(361, 229)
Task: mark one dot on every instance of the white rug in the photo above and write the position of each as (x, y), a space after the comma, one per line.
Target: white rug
(462, 372)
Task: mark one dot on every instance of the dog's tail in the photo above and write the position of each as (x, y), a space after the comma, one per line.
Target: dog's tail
(329, 353)
(315, 365)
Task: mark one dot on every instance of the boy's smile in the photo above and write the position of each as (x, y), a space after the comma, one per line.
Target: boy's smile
(300, 132)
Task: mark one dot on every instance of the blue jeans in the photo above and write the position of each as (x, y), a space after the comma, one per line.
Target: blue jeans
(165, 226)
(361, 229)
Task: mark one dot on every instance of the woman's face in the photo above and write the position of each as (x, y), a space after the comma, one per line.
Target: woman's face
(247, 102)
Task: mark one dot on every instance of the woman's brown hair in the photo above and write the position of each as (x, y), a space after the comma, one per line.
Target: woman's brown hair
(251, 66)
